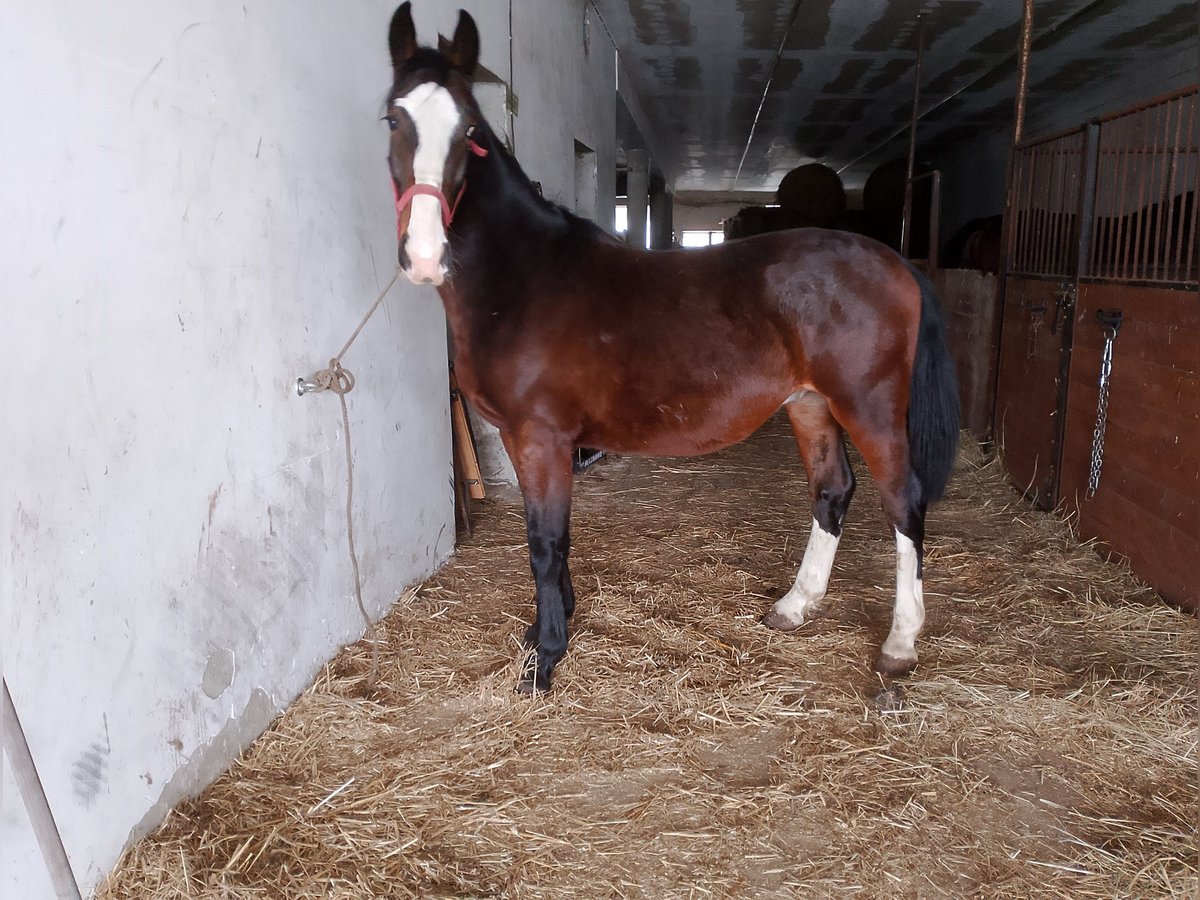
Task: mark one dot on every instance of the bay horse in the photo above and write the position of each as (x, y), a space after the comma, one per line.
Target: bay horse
(567, 337)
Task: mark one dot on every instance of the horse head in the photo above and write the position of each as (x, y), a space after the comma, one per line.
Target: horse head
(432, 116)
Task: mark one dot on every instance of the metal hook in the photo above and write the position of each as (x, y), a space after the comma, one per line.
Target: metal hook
(304, 386)
(1111, 319)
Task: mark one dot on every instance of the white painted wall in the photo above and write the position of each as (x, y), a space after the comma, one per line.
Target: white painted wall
(566, 94)
(197, 212)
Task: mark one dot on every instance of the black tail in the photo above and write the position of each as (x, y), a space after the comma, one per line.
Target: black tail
(933, 399)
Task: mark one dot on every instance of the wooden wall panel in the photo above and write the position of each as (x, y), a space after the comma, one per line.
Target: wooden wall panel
(1027, 388)
(968, 299)
(1148, 506)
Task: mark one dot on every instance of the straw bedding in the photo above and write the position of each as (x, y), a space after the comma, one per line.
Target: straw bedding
(1045, 746)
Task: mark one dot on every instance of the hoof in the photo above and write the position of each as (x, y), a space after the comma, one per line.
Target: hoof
(535, 686)
(893, 666)
(780, 622)
(534, 683)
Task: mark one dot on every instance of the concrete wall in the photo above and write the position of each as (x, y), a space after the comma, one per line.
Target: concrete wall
(198, 212)
(566, 94)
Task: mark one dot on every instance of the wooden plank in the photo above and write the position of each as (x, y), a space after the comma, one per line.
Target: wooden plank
(1148, 505)
(1177, 349)
(1171, 346)
(1175, 508)
(1173, 422)
(1148, 445)
(1152, 390)
(465, 442)
(968, 300)
(1163, 557)
(1164, 306)
(1027, 390)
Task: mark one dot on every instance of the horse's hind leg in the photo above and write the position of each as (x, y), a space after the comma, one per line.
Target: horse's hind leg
(831, 486)
(883, 441)
(543, 467)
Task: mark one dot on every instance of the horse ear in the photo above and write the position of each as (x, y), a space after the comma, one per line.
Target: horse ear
(402, 37)
(464, 49)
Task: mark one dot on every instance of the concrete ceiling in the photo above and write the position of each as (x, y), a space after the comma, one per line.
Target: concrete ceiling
(840, 91)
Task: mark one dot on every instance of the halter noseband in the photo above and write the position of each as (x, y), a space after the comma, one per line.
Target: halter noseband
(432, 190)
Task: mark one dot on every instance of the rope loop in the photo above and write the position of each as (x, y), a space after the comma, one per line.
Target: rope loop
(335, 378)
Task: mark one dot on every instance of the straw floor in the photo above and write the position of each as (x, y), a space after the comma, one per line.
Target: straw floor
(1046, 746)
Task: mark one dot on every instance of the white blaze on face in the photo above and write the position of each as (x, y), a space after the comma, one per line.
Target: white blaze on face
(436, 118)
(909, 614)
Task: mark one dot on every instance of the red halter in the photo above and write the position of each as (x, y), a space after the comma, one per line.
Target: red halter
(448, 211)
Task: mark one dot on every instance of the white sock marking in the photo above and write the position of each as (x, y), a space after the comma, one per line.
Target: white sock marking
(909, 614)
(813, 578)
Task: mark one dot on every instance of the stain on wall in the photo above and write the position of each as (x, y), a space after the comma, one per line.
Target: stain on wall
(89, 772)
(218, 672)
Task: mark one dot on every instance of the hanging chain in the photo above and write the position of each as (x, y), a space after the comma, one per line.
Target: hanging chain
(1112, 322)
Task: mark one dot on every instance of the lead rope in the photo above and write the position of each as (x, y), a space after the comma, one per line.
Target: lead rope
(340, 381)
(1111, 319)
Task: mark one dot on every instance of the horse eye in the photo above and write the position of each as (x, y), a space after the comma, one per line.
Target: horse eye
(391, 122)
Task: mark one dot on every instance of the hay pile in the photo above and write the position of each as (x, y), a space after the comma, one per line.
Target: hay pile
(1046, 745)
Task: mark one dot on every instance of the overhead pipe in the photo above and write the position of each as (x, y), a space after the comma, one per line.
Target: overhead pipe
(1024, 49)
(1022, 72)
(766, 89)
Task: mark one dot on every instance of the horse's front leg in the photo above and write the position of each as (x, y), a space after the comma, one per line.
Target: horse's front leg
(543, 466)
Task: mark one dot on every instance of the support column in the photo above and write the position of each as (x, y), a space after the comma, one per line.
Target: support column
(637, 189)
(662, 234)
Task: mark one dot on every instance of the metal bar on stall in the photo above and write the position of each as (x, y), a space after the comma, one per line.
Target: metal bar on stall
(1127, 165)
(1087, 197)
(1162, 243)
(1010, 215)
(1064, 176)
(1186, 249)
(1152, 228)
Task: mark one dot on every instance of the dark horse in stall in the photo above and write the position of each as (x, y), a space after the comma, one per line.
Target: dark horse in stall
(567, 337)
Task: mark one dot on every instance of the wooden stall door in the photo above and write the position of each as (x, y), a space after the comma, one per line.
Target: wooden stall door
(968, 300)
(1041, 266)
(1147, 505)
(1029, 392)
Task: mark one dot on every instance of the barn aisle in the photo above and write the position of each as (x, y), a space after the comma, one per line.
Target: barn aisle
(1046, 745)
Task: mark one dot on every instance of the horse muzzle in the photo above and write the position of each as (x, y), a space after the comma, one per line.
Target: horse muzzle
(427, 267)
(423, 236)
